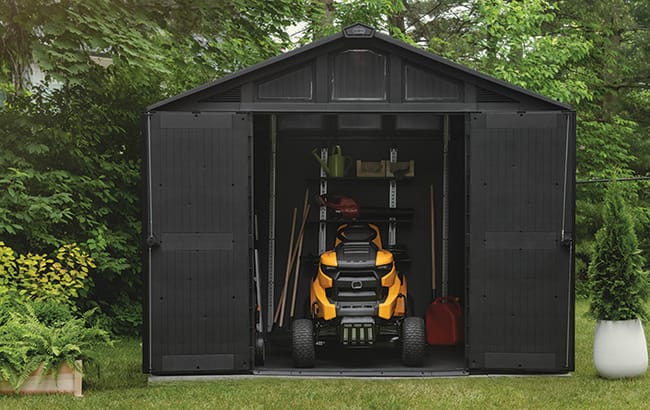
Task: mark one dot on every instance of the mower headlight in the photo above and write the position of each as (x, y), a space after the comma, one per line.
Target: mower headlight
(384, 269)
(328, 270)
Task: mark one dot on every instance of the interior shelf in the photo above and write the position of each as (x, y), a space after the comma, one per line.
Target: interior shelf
(362, 220)
(362, 179)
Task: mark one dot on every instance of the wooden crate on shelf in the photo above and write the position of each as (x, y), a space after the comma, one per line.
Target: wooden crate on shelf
(371, 168)
(401, 169)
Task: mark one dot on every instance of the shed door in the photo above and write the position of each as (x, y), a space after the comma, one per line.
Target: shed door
(520, 277)
(199, 279)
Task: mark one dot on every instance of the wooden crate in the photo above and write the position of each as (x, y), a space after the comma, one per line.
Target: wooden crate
(68, 381)
(371, 168)
(407, 166)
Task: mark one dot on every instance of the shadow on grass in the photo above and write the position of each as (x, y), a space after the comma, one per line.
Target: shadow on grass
(119, 367)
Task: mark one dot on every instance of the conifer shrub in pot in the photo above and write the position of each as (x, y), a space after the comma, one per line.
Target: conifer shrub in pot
(619, 290)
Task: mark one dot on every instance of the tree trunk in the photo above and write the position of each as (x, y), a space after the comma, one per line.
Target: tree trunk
(322, 18)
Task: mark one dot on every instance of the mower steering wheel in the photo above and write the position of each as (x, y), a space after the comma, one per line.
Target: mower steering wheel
(371, 234)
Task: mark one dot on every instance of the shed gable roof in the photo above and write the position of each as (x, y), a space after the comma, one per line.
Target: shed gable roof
(360, 66)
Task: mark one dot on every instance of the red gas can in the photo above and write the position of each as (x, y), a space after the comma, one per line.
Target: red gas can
(444, 320)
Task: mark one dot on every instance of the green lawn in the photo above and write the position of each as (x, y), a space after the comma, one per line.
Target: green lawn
(120, 385)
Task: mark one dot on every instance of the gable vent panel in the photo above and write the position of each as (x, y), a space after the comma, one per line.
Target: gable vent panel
(232, 95)
(487, 96)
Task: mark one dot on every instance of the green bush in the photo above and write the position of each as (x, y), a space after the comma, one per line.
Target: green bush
(584, 252)
(62, 277)
(126, 316)
(51, 312)
(618, 283)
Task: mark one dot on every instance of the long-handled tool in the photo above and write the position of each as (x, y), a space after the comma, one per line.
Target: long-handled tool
(433, 240)
(299, 253)
(289, 265)
(258, 285)
(297, 249)
(260, 350)
(258, 294)
(260, 355)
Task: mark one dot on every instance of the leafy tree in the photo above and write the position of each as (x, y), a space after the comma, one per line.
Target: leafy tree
(613, 125)
(324, 17)
(63, 36)
(591, 54)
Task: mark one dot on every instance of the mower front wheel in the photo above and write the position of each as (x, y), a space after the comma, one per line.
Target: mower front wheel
(303, 343)
(413, 341)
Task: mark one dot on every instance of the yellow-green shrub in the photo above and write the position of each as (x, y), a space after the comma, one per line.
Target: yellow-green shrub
(63, 276)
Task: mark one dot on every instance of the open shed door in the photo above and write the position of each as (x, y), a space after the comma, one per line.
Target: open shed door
(198, 252)
(520, 238)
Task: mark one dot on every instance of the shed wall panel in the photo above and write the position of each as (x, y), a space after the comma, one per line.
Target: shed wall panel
(359, 75)
(295, 85)
(424, 85)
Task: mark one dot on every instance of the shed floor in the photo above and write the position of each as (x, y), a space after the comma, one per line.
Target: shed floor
(383, 359)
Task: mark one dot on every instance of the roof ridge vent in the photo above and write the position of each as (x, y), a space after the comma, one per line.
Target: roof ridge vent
(358, 30)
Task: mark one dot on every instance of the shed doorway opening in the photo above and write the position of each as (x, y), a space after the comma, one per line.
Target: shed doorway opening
(430, 255)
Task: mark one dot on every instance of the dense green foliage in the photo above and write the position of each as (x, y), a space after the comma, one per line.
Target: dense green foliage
(61, 194)
(619, 285)
(70, 145)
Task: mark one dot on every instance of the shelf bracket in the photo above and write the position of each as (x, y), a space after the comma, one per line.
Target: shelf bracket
(392, 202)
(322, 225)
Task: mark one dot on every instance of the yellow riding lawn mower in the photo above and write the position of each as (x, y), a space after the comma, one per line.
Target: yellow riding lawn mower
(358, 298)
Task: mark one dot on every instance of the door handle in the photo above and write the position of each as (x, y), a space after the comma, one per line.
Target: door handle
(152, 241)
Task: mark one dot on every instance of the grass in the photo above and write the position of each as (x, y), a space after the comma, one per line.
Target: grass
(121, 385)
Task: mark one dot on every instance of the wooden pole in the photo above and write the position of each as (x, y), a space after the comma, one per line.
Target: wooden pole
(297, 247)
(288, 270)
(299, 253)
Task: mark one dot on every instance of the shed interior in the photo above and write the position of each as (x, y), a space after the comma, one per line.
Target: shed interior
(417, 137)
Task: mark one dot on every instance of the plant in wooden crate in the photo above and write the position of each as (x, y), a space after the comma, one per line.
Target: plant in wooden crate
(45, 344)
(619, 290)
(40, 331)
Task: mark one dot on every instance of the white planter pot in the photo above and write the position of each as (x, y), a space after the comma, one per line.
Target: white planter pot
(620, 349)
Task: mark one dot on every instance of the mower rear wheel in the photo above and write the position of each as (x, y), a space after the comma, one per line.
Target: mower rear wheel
(303, 346)
(413, 341)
